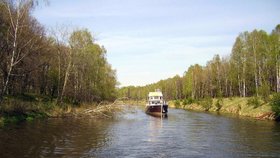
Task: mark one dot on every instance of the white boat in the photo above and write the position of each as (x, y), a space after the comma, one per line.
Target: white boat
(156, 104)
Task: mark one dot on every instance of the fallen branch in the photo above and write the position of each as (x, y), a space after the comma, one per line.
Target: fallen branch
(101, 110)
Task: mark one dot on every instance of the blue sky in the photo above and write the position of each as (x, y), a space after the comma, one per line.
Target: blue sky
(150, 40)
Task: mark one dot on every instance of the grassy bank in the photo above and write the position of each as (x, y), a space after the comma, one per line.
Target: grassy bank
(29, 107)
(248, 107)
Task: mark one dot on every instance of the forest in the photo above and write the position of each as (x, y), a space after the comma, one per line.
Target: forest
(251, 69)
(62, 64)
(67, 65)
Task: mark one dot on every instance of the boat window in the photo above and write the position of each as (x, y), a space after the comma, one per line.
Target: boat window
(156, 97)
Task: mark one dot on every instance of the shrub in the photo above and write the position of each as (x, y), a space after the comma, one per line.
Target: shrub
(1, 121)
(264, 92)
(206, 103)
(275, 104)
(239, 107)
(177, 103)
(187, 101)
(190, 100)
(254, 101)
(219, 104)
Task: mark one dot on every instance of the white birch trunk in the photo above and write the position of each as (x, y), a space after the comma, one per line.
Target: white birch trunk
(15, 27)
(278, 77)
(255, 69)
(67, 72)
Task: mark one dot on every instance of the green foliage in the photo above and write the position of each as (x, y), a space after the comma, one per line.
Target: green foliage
(275, 104)
(73, 68)
(188, 101)
(177, 103)
(185, 102)
(206, 103)
(22, 97)
(264, 91)
(239, 75)
(254, 101)
(219, 104)
(239, 107)
(68, 66)
(1, 121)
(11, 118)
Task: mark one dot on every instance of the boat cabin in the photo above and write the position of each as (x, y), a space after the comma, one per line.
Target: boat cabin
(155, 104)
(155, 98)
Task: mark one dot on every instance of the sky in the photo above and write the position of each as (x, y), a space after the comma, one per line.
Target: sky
(150, 40)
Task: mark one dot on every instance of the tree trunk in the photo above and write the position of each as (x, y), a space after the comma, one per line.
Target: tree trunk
(59, 73)
(67, 72)
(244, 88)
(230, 89)
(255, 70)
(193, 87)
(244, 79)
(260, 76)
(278, 77)
(14, 49)
(226, 88)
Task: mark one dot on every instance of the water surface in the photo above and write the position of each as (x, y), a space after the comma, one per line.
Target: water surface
(135, 134)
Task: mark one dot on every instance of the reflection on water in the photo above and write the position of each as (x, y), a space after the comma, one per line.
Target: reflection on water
(53, 138)
(135, 134)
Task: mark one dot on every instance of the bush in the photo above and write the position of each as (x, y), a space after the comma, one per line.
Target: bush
(275, 104)
(219, 104)
(206, 103)
(254, 101)
(264, 92)
(177, 103)
(188, 101)
(1, 121)
(185, 102)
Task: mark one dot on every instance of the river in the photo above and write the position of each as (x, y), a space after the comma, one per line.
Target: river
(135, 134)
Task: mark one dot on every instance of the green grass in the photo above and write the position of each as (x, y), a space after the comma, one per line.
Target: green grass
(275, 104)
(24, 107)
(29, 107)
(241, 107)
(16, 118)
(249, 106)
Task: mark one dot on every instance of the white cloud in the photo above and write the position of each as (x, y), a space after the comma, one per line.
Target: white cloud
(141, 61)
(150, 40)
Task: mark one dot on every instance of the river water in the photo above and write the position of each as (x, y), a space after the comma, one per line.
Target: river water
(135, 134)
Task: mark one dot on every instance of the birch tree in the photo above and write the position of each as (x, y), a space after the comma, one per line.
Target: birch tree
(276, 54)
(19, 45)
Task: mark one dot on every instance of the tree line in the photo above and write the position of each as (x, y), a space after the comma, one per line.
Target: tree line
(252, 69)
(64, 64)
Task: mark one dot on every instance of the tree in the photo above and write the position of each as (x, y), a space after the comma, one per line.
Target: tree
(276, 54)
(253, 68)
(22, 37)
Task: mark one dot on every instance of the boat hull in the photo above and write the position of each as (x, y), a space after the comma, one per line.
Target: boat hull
(156, 110)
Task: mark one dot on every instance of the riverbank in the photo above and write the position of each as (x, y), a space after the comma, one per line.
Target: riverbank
(28, 108)
(247, 107)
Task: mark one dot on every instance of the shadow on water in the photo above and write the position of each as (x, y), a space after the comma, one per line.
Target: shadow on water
(158, 115)
(136, 134)
(53, 138)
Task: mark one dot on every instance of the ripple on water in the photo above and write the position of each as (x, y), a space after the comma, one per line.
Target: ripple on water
(135, 134)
